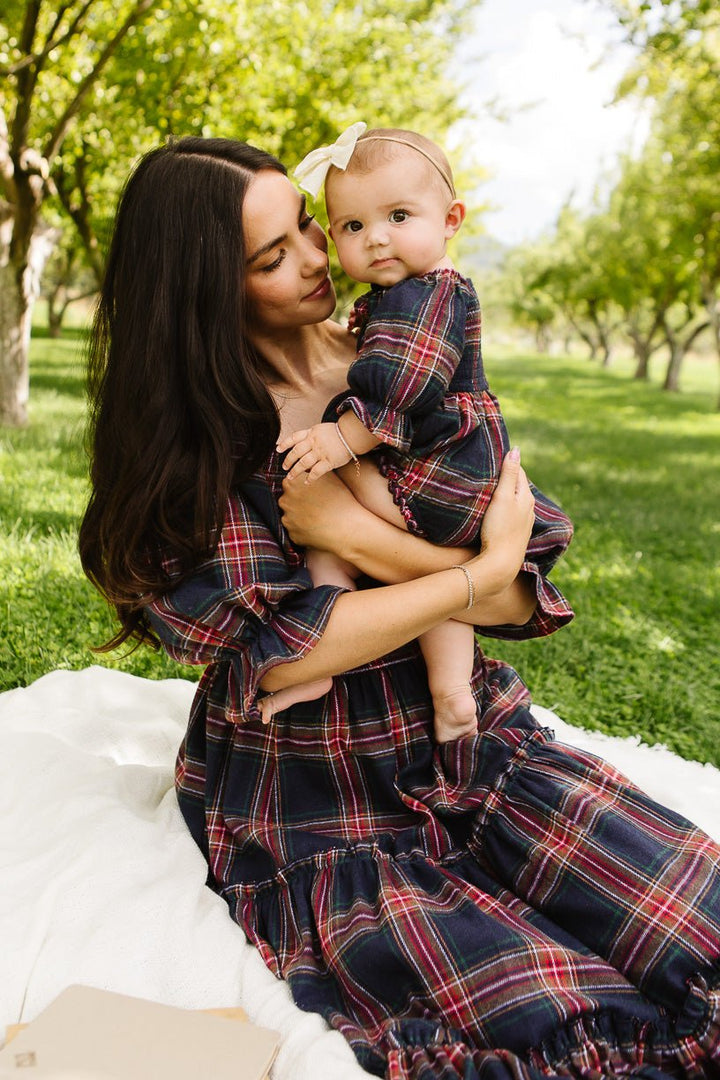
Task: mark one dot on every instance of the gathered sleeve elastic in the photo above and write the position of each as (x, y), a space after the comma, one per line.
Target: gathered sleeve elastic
(551, 612)
(408, 354)
(249, 604)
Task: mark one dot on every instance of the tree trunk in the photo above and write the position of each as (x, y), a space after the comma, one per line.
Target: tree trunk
(19, 289)
(712, 306)
(55, 319)
(55, 311)
(642, 356)
(672, 374)
(606, 348)
(15, 312)
(679, 347)
(542, 339)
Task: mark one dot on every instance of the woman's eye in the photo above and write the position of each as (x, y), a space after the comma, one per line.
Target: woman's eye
(398, 216)
(273, 265)
(306, 222)
(354, 226)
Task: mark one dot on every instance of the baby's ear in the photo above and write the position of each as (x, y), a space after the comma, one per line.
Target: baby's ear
(454, 217)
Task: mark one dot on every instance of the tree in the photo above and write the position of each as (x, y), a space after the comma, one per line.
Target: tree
(66, 279)
(86, 34)
(526, 295)
(678, 67)
(90, 84)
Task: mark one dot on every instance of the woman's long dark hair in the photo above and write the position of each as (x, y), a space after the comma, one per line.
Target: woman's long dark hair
(179, 411)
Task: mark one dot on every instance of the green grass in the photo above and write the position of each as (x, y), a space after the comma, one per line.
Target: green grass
(50, 616)
(636, 469)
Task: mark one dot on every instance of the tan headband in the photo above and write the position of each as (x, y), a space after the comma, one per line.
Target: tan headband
(406, 142)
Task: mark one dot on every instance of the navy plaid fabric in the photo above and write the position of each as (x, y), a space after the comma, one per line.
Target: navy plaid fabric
(419, 385)
(501, 906)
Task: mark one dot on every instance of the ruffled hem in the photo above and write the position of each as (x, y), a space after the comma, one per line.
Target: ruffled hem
(586, 1049)
(334, 954)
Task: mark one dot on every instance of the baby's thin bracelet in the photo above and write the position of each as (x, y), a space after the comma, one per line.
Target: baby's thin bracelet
(471, 587)
(353, 456)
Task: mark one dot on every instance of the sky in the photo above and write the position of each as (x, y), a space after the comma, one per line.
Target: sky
(553, 66)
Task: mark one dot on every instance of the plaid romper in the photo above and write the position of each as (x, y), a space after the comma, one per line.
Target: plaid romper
(418, 384)
(501, 906)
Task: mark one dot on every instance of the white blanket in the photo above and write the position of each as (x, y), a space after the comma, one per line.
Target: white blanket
(101, 884)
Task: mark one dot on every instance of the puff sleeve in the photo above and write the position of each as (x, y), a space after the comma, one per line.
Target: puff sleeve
(407, 356)
(249, 604)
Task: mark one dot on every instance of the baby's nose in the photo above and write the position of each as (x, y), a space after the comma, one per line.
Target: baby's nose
(377, 234)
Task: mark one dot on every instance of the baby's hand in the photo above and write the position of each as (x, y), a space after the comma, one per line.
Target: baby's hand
(315, 451)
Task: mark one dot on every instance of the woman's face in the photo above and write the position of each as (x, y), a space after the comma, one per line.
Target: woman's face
(287, 278)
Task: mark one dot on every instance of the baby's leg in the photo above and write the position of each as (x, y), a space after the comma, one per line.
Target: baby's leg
(325, 569)
(370, 488)
(449, 651)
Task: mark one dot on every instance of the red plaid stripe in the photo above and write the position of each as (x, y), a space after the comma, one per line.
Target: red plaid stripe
(501, 906)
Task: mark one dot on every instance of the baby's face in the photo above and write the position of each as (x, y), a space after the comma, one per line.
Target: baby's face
(390, 223)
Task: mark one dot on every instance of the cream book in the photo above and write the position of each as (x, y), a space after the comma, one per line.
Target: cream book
(88, 1034)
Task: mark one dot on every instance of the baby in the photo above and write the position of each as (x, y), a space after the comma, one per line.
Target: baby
(419, 402)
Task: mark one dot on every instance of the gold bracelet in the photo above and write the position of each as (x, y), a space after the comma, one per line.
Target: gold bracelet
(353, 456)
(471, 587)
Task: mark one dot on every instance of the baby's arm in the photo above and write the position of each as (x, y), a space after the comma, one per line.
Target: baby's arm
(324, 447)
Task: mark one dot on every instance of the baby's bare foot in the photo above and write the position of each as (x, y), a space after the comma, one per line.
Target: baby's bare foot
(283, 699)
(455, 714)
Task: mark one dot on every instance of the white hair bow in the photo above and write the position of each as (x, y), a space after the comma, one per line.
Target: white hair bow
(313, 168)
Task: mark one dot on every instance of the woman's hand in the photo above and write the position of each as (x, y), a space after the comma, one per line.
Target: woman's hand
(319, 515)
(508, 522)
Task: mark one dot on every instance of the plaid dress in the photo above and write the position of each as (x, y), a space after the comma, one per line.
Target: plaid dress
(501, 906)
(419, 385)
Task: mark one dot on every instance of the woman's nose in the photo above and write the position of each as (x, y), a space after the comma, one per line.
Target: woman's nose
(315, 253)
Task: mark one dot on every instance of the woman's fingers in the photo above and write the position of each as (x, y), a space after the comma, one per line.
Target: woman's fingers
(510, 472)
(508, 520)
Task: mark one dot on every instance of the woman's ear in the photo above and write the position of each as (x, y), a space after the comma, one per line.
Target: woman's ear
(454, 217)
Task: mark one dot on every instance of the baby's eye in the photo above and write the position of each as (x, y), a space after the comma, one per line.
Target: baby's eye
(398, 216)
(353, 226)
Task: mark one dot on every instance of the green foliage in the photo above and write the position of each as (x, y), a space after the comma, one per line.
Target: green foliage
(284, 76)
(636, 471)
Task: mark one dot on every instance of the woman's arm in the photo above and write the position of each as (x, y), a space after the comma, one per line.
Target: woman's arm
(326, 515)
(368, 624)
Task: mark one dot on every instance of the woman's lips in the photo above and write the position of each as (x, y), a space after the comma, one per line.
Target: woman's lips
(320, 291)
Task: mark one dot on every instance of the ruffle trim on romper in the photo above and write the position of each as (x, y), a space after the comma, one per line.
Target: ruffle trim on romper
(399, 497)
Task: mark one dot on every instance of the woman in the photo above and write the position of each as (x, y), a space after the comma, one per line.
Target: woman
(499, 902)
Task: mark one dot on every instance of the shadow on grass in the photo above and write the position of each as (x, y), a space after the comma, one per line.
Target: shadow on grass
(38, 522)
(70, 384)
(68, 333)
